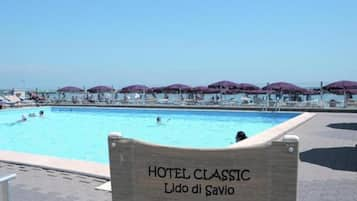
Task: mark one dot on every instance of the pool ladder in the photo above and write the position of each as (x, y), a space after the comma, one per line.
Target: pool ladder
(275, 108)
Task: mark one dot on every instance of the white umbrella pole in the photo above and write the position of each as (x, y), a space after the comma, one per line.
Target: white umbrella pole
(321, 94)
(143, 96)
(180, 98)
(345, 100)
(267, 99)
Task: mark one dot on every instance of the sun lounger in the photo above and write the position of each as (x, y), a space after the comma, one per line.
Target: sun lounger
(163, 101)
(204, 102)
(246, 100)
(4, 186)
(229, 102)
(352, 103)
(11, 100)
(2, 101)
(189, 102)
(310, 103)
(150, 101)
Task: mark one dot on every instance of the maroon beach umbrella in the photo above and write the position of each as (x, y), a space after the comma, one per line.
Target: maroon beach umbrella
(343, 91)
(204, 90)
(311, 92)
(351, 91)
(224, 84)
(70, 89)
(343, 84)
(246, 86)
(284, 87)
(258, 91)
(231, 91)
(342, 87)
(135, 88)
(100, 89)
(157, 89)
(177, 88)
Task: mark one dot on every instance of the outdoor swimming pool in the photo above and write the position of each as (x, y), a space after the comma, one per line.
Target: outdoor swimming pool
(81, 133)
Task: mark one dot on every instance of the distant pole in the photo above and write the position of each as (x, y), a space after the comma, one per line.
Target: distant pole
(112, 95)
(267, 98)
(345, 98)
(321, 94)
(23, 84)
(221, 94)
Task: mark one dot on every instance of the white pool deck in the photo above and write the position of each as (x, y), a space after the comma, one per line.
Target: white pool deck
(102, 170)
(74, 166)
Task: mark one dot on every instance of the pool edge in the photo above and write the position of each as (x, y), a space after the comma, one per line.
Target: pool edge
(274, 133)
(48, 162)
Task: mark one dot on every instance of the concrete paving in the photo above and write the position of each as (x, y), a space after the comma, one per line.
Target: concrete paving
(327, 170)
(39, 184)
(328, 158)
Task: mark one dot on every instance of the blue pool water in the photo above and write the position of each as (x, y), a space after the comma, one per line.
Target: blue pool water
(81, 133)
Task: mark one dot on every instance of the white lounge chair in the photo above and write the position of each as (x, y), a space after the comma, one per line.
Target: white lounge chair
(163, 101)
(4, 187)
(13, 99)
(246, 100)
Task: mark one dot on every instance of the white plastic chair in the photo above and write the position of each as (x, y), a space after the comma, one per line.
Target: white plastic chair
(4, 186)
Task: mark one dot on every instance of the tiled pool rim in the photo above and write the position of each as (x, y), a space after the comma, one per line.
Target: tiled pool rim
(102, 170)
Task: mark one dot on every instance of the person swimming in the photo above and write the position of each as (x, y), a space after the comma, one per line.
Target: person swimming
(41, 113)
(32, 114)
(158, 120)
(23, 119)
(240, 136)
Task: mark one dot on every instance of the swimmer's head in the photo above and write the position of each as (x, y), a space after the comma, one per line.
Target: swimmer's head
(158, 119)
(240, 136)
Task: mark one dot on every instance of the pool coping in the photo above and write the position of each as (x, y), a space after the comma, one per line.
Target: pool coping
(266, 137)
(213, 107)
(176, 109)
(86, 168)
(197, 109)
(194, 107)
(103, 171)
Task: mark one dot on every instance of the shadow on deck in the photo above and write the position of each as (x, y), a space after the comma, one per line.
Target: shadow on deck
(346, 126)
(337, 158)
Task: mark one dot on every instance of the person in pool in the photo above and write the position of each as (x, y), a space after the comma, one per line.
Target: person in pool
(41, 113)
(240, 136)
(23, 119)
(158, 120)
(32, 114)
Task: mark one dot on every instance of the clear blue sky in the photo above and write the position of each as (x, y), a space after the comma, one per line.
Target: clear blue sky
(48, 44)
